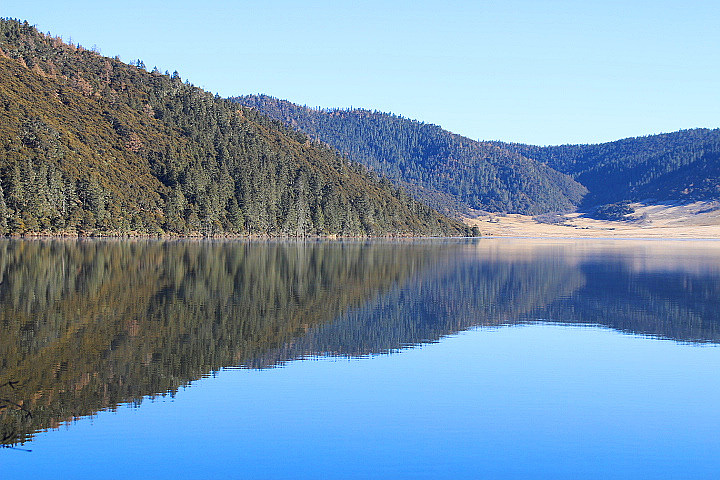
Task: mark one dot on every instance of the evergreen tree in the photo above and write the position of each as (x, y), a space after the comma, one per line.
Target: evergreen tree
(149, 153)
(3, 213)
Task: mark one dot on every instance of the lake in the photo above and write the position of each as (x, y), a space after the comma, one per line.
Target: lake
(483, 358)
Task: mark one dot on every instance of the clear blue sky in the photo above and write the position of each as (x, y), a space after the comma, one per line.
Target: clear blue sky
(542, 72)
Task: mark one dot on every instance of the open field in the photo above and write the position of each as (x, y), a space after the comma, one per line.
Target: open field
(695, 220)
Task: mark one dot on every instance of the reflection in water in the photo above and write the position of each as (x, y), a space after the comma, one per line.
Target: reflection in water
(641, 288)
(89, 325)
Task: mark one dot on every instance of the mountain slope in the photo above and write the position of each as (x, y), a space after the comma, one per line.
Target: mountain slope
(678, 166)
(90, 144)
(446, 170)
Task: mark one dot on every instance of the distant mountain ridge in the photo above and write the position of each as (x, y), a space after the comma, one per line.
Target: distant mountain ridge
(448, 171)
(91, 145)
(678, 166)
(453, 173)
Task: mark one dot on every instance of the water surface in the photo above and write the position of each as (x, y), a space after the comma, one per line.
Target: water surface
(425, 359)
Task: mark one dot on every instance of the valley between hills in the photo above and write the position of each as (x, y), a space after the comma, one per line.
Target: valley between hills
(699, 220)
(93, 146)
(657, 186)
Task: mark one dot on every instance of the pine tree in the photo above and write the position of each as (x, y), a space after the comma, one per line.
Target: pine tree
(3, 213)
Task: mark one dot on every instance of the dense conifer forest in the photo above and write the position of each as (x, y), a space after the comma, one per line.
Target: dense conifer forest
(92, 145)
(448, 171)
(453, 172)
(679, 166)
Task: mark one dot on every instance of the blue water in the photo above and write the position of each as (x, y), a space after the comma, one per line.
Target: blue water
(510, 392)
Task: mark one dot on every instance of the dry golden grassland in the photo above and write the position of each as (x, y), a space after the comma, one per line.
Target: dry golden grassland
(695, 220)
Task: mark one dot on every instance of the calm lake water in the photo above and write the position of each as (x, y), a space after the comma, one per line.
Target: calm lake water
(459, 359)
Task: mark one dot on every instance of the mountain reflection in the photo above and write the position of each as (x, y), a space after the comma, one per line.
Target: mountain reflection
(87, 325)
(663, 290)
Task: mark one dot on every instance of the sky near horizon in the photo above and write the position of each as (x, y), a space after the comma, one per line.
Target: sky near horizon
(540, 72)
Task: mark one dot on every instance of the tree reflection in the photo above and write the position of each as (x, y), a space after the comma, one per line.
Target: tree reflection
(88, 325)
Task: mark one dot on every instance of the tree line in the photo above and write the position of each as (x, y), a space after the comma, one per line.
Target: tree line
(679, 166)
(93, 145)
(450, 172)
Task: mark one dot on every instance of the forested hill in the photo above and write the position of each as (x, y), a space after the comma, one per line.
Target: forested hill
(446, 170)
(89, 144)
(678, 166)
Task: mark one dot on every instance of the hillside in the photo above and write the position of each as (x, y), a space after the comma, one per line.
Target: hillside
(453, 173)
(91, 145)
(682, 166)
(450, 172)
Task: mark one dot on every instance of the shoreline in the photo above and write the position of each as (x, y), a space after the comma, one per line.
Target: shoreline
(645, 236)
(690, 221)
(699, 220)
